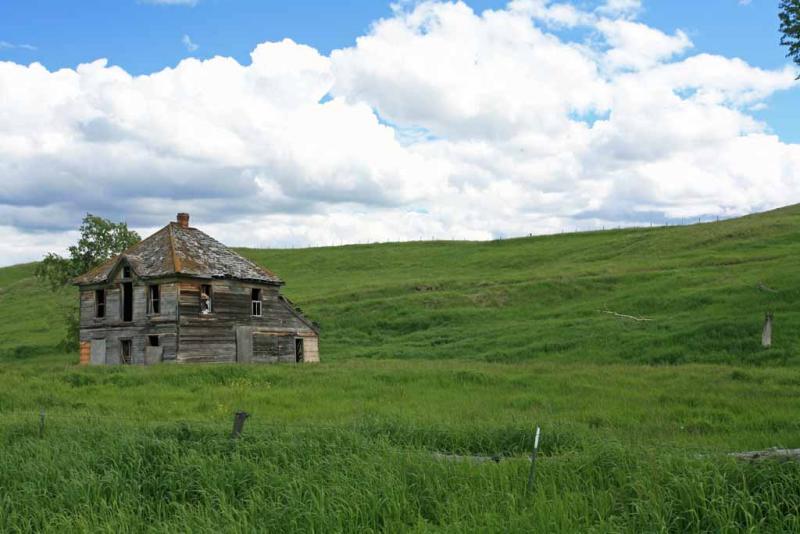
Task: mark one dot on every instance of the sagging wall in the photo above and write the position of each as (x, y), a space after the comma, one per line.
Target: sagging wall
(259, 344)
(214, 337)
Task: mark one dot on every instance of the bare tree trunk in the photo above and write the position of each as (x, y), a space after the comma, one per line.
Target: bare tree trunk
(766, 334)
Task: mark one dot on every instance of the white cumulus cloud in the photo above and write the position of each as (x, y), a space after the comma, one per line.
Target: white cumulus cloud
(620, 8)
(438, 122)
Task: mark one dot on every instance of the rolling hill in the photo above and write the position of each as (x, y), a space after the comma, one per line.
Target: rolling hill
(705, 288)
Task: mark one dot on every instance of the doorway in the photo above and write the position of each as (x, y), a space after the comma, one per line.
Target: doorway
(298, 350)
(127, 301)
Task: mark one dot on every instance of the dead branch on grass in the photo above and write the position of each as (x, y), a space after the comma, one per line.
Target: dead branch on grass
(774, 453)
(763, 287)
(625, 316)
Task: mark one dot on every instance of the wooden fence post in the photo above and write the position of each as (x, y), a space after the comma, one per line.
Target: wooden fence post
(238, 423)
(41, 424)
(534, 453)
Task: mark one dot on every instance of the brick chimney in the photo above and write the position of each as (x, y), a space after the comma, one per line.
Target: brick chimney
(183, 220)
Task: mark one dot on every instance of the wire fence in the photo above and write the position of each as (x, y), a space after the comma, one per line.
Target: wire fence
(215, 422)
(222, 421)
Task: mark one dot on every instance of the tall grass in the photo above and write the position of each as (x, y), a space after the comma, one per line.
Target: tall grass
(167, 478)
(350, 447)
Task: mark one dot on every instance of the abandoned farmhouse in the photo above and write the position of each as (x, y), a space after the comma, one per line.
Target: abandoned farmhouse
(182, 296)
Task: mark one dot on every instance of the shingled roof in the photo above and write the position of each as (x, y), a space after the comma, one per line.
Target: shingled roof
(179, 249)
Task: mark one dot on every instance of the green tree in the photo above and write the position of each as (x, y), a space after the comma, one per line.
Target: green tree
(790, 28)
(100, 240)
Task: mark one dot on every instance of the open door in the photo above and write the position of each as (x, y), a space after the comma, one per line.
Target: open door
(298, 350)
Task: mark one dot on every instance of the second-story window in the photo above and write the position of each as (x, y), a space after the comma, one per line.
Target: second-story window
(154, 299)
(255, 297)
(100, 303)
(206, 305)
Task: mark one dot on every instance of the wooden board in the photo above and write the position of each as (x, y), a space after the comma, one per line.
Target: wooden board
(85, 352)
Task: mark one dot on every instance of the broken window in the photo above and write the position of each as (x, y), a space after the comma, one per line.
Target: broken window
(126, 271)
(125, 356)
(205, 299)
(100, 303)
(154, 299)
(153, 341)
(255, 297)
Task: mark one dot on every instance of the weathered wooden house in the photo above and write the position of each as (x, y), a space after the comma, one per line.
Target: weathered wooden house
(182, 296)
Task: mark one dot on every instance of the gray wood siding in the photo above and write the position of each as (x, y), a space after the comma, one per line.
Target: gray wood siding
(272, 348)
(212, 337)
(113, 330)
(185, 334)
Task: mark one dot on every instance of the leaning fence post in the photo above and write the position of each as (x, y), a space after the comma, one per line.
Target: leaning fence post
(41, 423)
(532, 473)
(238, 423)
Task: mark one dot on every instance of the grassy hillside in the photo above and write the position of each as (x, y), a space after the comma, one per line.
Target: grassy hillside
(524, 299)
(534, 298)
(32, 317)
(431, 348)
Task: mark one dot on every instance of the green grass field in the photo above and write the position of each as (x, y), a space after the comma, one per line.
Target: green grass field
(439, 347)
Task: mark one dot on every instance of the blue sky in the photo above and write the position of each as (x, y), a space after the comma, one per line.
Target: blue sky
(145, 37)
(372, 123)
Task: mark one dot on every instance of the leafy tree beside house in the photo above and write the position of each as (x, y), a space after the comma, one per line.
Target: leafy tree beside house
(100, 240)
(790, 28)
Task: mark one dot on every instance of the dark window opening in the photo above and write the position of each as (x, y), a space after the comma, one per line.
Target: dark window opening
(127, 301)
(100, 303)
(125, 357)
(298, 350)
(205, 299)
(255, 297)
(126, 272)
(153, 341)
(154, 299)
